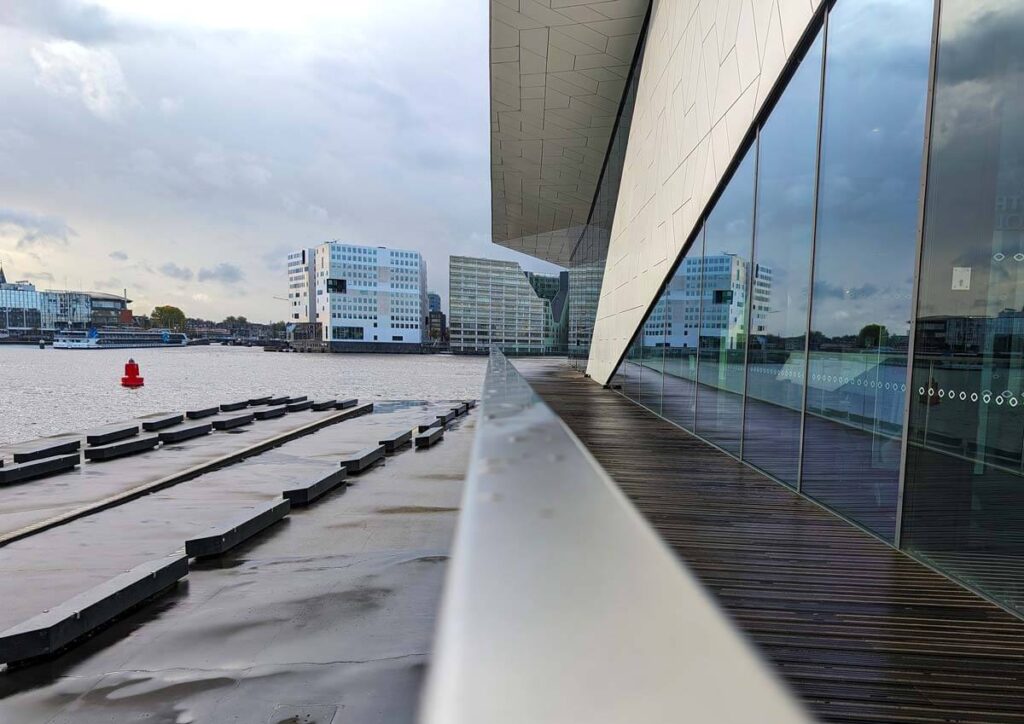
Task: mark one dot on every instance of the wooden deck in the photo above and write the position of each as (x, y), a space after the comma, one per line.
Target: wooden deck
(860, 631)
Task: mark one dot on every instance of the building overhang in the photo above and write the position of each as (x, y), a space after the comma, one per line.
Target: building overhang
(558, 73)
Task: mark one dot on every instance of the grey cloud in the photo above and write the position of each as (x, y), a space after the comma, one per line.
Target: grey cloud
(106, 284)
(32, 229)
(81, 22)
(172, 270)
(38, 276)
(118, 255)
(223, 272)
(824, 290)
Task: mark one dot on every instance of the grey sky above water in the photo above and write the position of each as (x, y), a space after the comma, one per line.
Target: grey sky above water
(179, 150)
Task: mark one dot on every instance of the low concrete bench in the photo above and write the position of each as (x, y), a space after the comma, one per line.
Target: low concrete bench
(229, 423)
(364, 459)
(306, 494)
(446, 417)
(299, 406)
(226, 536)
(324, 405)
(470, 404)
(293, 400)
(429, 425)
(20, 472)
(399, 439)
(429, 438)
(56, 629)
(112, 433)
(39, 450)
(277, 400)
(268, 413)
(121, 449)
(202, 412)
(462, 409)
(185, 433)
(259, 400)
(345, 404)
(152, 424)
(233, 406)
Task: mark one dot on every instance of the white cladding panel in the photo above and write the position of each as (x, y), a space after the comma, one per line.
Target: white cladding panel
(708, 67)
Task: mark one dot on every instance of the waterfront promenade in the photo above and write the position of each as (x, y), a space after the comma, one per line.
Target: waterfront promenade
(330, 610)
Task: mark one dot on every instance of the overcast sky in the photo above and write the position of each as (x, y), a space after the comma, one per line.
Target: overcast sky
(181, 149)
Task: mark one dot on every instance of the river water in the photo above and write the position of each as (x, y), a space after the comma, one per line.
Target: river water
(51, 391)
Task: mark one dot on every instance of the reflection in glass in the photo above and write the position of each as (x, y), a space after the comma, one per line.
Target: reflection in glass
(653, 358)
(725, 269)
(788, 146)
(681, 300)
(876, 80)
(629, 372)
(964, 499)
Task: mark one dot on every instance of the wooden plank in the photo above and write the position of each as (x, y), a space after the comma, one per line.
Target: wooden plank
(224, 537)
(859, 630)
(40, 468)
(121, 449)
(54, 630)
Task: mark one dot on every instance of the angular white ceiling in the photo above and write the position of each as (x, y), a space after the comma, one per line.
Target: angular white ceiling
(558, 71)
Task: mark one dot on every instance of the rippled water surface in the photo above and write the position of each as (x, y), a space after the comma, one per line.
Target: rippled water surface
(46, 392)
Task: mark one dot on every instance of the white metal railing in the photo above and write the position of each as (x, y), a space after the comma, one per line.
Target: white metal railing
(563, 605)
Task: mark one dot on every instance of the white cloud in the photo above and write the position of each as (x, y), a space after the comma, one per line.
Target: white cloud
(170, 106)
(91, 75)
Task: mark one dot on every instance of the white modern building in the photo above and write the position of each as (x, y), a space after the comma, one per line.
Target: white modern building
(359, 296)
(496, 302)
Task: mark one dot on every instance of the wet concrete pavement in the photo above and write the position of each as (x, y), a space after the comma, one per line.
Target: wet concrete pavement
(36, 501)
(325, 617)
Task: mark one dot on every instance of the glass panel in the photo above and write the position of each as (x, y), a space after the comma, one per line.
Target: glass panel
(653, 358)
(728, 234)
(682, 314)
(629, 371)
(964, 500)
(876, 82)
(788, 147)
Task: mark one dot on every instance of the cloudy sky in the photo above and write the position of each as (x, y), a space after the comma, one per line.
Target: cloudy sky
(180, 149)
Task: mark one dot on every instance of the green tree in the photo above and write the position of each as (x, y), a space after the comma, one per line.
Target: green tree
(169, 317)
(872, 336)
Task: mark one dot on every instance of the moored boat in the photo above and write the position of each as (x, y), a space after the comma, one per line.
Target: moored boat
(114, 338)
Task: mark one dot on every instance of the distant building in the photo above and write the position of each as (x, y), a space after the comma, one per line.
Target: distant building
(433, 302)
(437, 328)
(24, 309)
(361, 297)
(496, 302)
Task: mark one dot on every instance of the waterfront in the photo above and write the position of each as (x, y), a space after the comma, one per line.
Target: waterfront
(47, 392)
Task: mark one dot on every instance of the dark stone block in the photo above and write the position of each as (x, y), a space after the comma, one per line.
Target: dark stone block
(228, 423)
(396, 441)
(39, 450)
(446, 418)
(54, 630)
(306, 494)
(120, 449)
(324, 405)
(185, 433)
(277, 400)
(232, 406)
(259, 400)
(293, 400)
(226, 536)
(202, 412)
(152, 424)
(299, 406)
(270, 412)
(20, 472)
(345, 404)
(429, 425)
(112, 433)
(429, 438)
(364, 459)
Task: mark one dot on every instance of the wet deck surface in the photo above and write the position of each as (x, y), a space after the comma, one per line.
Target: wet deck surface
(35, 501)
(860, 631)
(329, 612)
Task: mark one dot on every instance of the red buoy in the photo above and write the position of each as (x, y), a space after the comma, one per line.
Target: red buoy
(131, 375)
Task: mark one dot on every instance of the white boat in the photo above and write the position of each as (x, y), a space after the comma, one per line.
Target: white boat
(112, 338)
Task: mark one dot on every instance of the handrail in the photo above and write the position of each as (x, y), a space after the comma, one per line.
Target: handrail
(563, 605)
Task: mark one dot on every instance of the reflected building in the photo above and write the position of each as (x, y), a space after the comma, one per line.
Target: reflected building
(826, 281)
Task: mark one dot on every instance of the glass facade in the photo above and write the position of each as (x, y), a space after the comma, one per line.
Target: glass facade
(964, 487)
(851, 336)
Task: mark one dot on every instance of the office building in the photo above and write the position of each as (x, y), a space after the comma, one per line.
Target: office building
(433, 302)
(361, 297)
(798, 230)
(27, 310)
(437, 328)
(496, 302)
